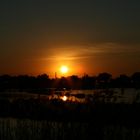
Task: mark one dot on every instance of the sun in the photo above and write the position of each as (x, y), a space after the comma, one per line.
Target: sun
(64, 69)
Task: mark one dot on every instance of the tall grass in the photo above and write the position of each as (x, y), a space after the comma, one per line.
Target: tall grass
(25, 129)
(121, 133)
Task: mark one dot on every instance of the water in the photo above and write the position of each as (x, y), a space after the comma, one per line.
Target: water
(129, 95)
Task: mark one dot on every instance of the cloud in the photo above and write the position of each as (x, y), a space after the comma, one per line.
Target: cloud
(71, 53)
(99, 48)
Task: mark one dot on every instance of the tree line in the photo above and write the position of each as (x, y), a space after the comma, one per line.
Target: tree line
(102, 80)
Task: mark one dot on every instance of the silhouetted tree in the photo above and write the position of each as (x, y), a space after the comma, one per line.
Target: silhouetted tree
(88, 82)
(136, 80)
(5, 82)
(103, 80)
(123, 81)
(74, 82)
(25, 82)
(63, 83)
(43, 81)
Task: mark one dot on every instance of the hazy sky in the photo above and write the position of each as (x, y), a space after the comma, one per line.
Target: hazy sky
(90, 36)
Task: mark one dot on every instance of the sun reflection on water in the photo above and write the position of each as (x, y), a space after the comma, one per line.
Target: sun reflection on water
(64, 98)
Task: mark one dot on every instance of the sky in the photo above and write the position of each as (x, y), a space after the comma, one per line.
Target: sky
(89, 36)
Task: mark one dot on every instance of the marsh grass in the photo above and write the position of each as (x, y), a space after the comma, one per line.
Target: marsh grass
(25, 129)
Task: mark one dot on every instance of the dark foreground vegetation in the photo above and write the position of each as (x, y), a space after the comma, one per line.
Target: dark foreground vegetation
(25, 129)
(58, 110)
(103, 80)
(54, 119)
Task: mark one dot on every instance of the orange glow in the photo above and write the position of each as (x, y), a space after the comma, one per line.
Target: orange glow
(64, 69)
(64, 98)
(62, 66)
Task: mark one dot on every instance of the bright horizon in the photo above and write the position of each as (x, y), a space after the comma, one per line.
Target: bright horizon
(112, 58)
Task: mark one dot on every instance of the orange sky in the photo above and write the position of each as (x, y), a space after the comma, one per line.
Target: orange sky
(87, 35)
(92, 59)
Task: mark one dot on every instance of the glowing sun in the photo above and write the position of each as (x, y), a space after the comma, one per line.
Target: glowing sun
(64, 69)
